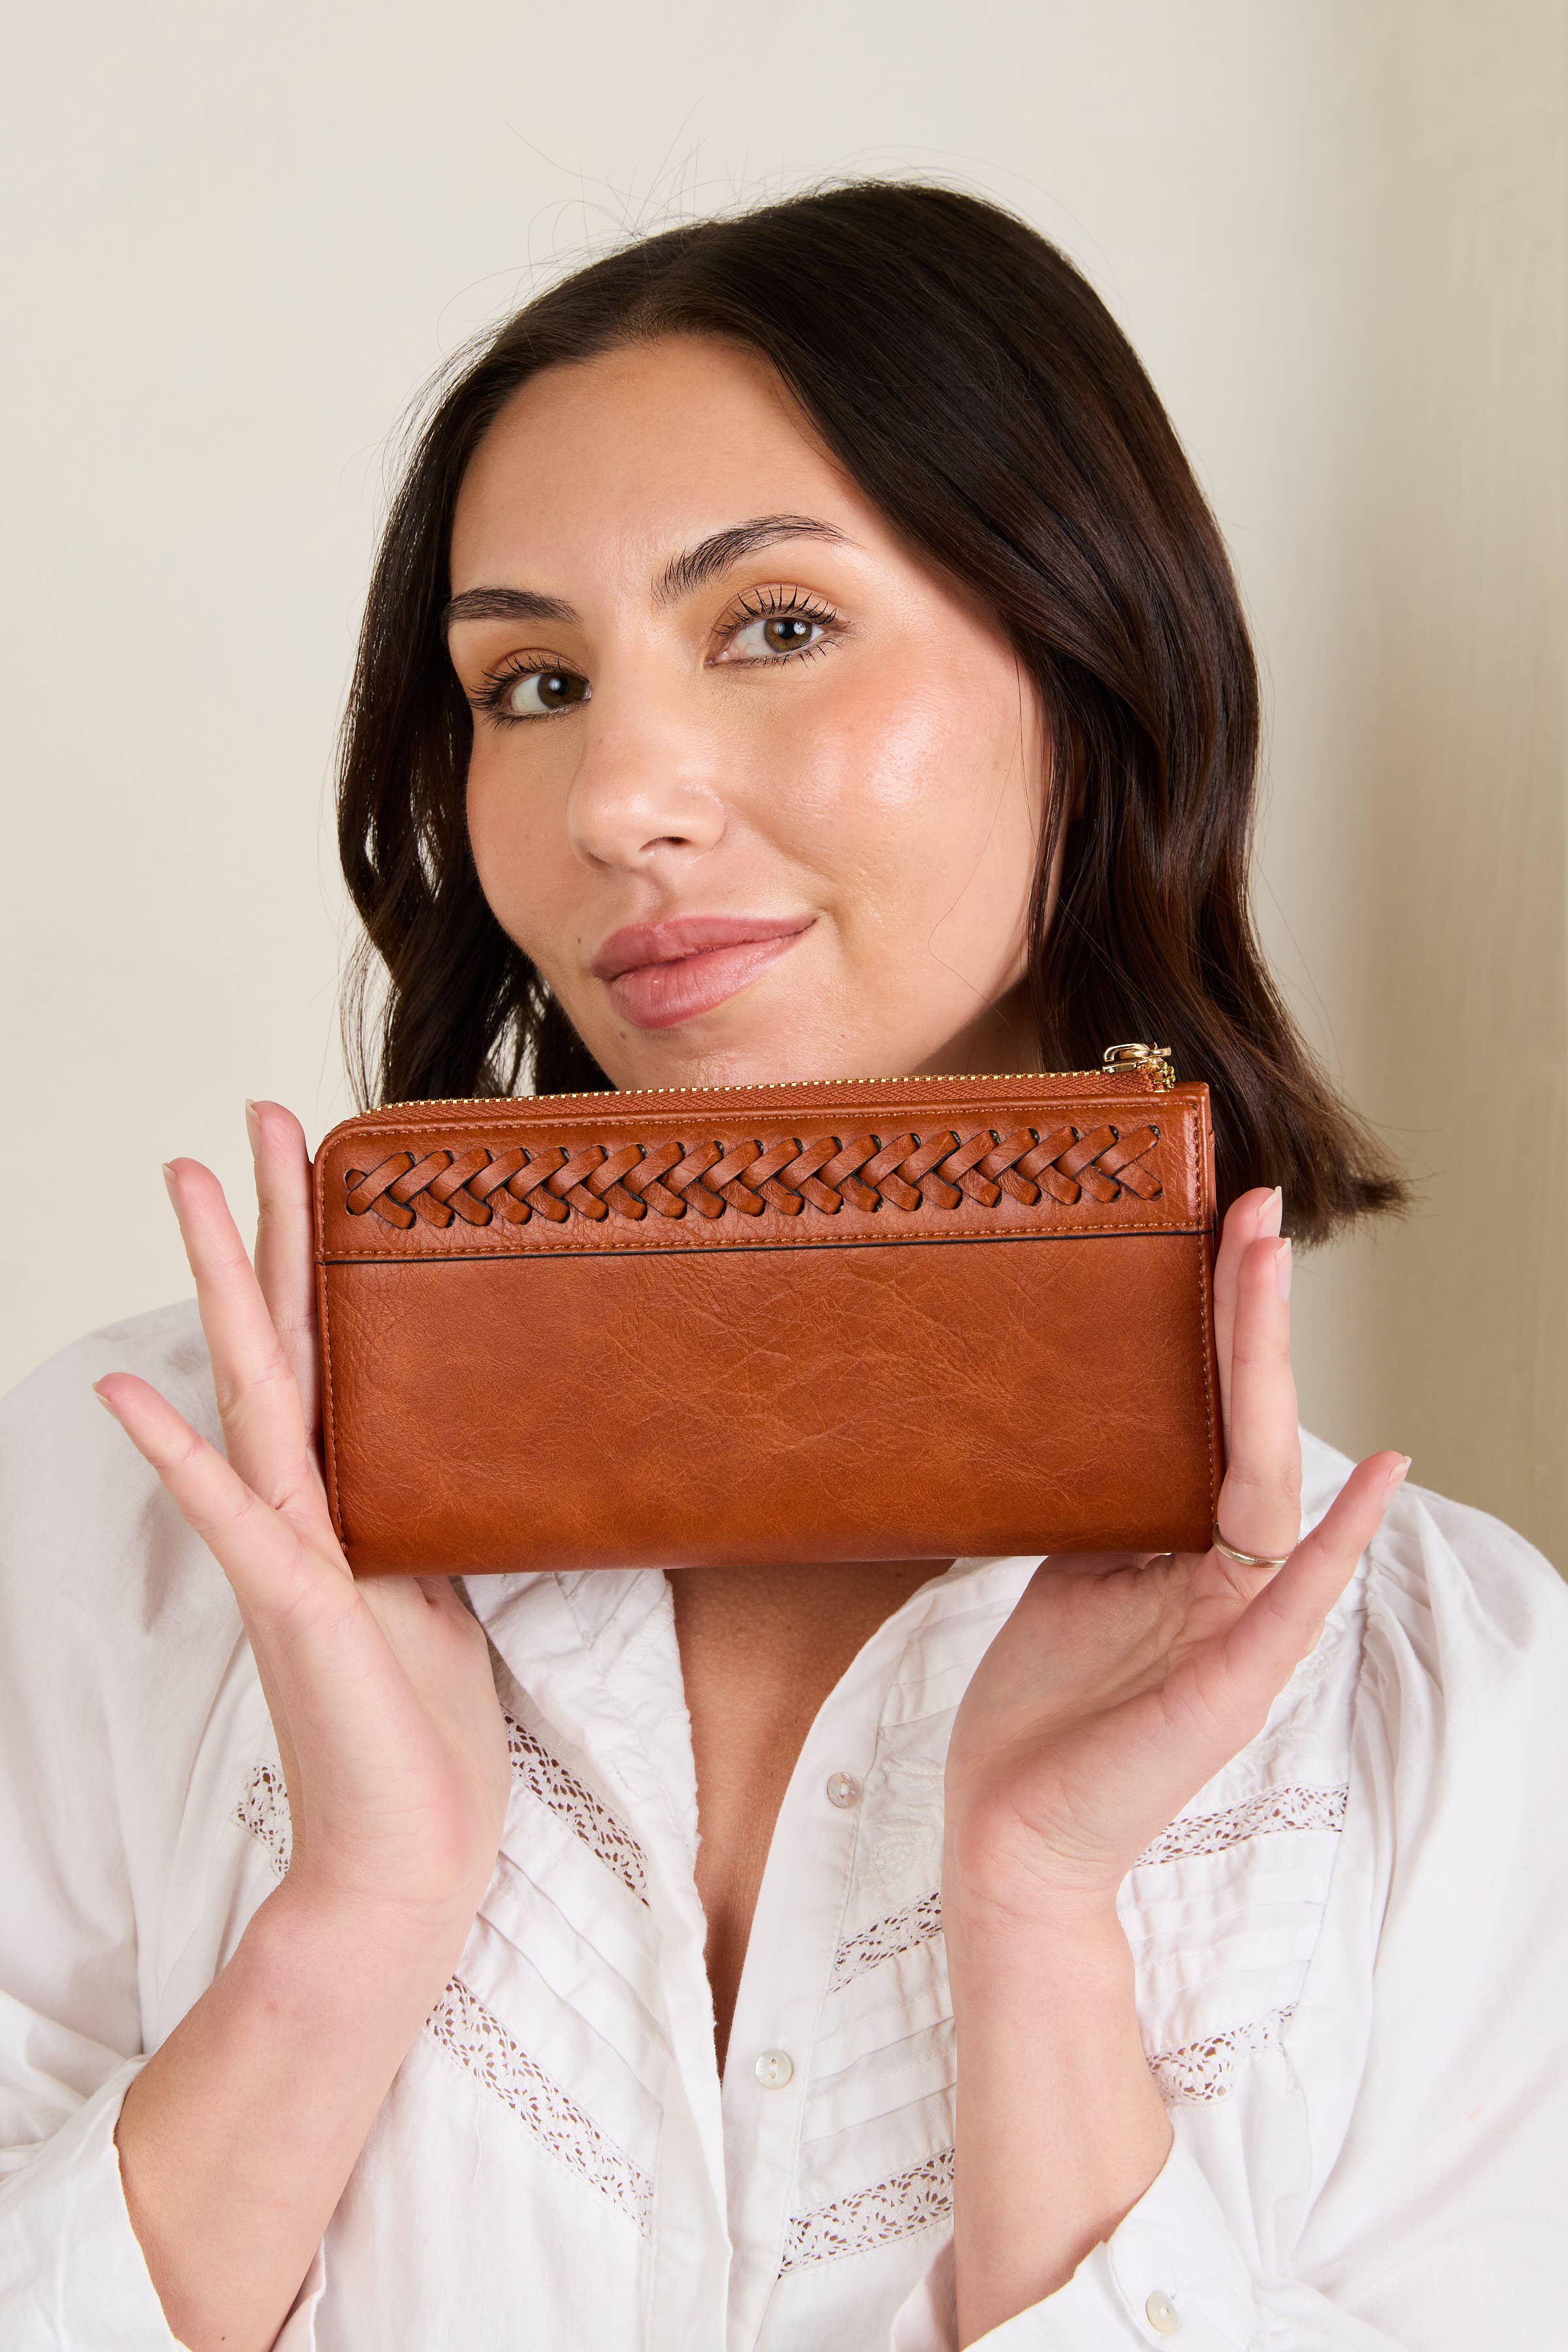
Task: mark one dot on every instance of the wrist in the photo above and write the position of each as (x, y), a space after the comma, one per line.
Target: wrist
(1060, 2127)
(1000, 1866)
(306, 1950)
(1008, 1903)
(1077, 1967)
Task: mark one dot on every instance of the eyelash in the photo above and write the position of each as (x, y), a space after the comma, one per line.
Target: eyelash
(755, 605)
(497, 683)
(778, 605)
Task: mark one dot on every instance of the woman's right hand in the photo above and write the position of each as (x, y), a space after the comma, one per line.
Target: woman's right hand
(390, 1733)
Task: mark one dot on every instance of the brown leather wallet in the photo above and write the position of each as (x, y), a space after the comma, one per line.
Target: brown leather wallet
(877, 1320)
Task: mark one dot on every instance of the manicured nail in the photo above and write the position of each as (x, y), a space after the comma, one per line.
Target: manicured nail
(1271, 1216)
(1398, 1475)
(169, 1178)
(253, 1126)
(1282, 1269)
(103, 1400)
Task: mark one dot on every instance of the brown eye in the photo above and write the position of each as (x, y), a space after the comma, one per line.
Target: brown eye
(539, 691)
(774, 636)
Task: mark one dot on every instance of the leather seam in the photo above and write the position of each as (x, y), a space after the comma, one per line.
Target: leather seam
(514, 1112)
(329, 1411)
(324, 1321)
(590, 1247)
(1205, 1328)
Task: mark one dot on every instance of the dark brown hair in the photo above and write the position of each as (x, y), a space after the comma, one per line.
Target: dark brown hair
(982, 396)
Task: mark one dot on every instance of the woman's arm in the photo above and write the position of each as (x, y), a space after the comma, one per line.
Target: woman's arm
(1114, 1691)
(238, 2136)
(236, 2139)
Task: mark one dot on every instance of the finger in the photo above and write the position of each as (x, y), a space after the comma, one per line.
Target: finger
(263, 1424)
(285, 1265)
(271, 1567)
(1276, 1630)
(324, 1660)
(1253, 1216)
(162, 1436)
(1260, 1499)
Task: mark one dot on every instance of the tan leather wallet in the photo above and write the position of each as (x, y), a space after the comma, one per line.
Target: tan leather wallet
(878, 1319)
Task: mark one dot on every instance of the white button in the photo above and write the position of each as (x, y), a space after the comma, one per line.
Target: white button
(1162, 2313)
(774, 2068)
(843, 1790)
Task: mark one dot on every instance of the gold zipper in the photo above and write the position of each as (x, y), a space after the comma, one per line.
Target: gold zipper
(1118, 1061)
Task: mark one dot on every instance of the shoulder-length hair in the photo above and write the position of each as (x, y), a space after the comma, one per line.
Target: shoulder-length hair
(980, 393)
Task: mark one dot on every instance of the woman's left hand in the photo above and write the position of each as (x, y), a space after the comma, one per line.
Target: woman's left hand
(1120, 1686)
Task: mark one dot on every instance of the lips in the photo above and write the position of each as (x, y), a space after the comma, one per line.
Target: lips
(662, 973)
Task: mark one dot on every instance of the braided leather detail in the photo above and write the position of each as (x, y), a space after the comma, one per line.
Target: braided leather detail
(628, 1180)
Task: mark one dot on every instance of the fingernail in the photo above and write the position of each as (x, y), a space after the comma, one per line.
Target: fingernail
(169, 1178)
(253, 1126)
(103, 1400)
(1398, 1475)
(1271, 1214)
(1282, 1269)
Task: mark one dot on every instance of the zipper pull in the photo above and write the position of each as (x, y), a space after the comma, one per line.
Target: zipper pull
(1143, 1061)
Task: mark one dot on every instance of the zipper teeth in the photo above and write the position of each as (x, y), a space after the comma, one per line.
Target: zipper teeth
(1111, 1078)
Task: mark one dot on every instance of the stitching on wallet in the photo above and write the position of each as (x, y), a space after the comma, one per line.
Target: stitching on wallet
(598, 1241)
(328, 1404)
(1205, 1326)
(944, 1172)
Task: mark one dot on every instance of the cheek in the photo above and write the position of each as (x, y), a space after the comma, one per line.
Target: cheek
(514, 831)
(919, 778)
(522, 857)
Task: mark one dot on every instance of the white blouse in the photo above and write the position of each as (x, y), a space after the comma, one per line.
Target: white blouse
(1351, 1951)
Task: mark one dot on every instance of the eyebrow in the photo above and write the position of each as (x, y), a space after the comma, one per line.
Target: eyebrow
(696, 568)
(505, 604)
(717, 554)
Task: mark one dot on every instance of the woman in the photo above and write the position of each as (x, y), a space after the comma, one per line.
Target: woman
(799, 648)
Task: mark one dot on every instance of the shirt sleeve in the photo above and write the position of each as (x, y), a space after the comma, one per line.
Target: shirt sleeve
(104, 1666)
(1428, 2047)
(70, 2268)
(1172, 2274)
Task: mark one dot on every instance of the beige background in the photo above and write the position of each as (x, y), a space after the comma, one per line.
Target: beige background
(1335, 228)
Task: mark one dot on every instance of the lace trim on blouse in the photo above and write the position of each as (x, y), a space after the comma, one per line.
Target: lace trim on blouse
(263, 1810)
(1201, 2072)
(570, 1802)
(920, 2198)
(461, 2023)
(884, 1939)
(477, 2039)
(1298, 1807)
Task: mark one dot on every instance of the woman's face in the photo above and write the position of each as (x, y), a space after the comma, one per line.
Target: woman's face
(755, 790)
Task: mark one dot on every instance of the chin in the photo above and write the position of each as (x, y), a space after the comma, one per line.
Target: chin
(770, 1055)
(727, 1065)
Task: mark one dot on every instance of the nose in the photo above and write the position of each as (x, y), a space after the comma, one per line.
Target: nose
(645, 796)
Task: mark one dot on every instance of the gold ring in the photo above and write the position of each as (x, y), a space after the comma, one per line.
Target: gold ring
(1242, 1558)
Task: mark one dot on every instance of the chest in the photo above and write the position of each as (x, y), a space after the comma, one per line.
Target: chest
(761, 1650)
(557, 2154)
